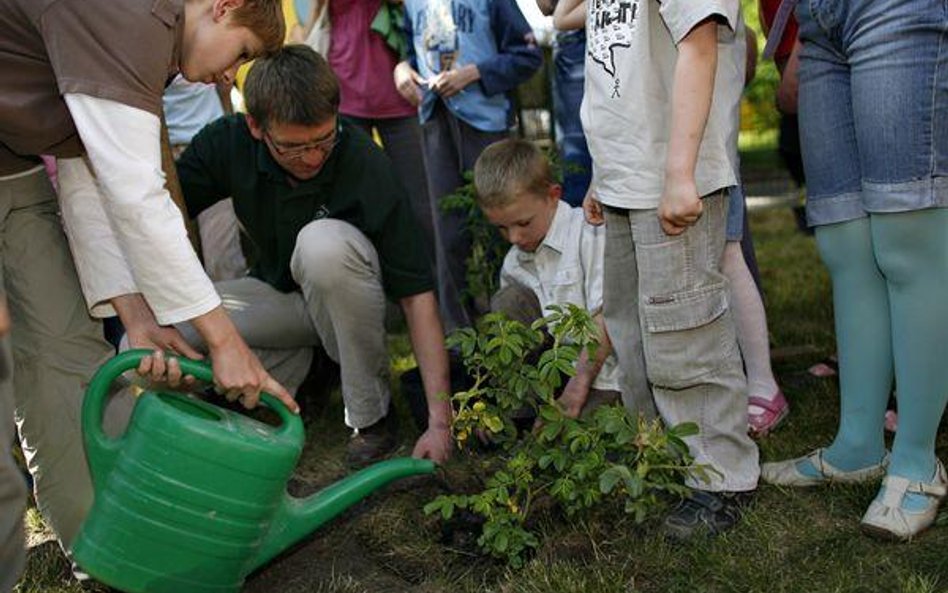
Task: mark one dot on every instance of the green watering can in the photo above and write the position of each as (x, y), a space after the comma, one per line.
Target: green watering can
(192, 497)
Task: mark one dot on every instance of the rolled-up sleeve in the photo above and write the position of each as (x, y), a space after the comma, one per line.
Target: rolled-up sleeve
(123, 146)
(681, 16)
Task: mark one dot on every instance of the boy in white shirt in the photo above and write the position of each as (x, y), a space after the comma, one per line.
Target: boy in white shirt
(554, 254)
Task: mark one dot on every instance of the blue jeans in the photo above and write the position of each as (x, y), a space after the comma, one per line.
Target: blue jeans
(569, 59)
(873, 106)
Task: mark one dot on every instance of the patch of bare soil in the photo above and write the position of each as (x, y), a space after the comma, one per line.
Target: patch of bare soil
(330, 561)
(370, 548)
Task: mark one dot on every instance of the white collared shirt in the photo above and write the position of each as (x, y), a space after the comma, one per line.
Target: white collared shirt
(566, 268)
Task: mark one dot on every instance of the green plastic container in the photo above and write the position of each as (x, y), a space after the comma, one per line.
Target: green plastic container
(192, 497)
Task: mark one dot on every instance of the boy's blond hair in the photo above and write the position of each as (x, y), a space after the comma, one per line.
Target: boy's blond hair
(264, 18)
(507, 169)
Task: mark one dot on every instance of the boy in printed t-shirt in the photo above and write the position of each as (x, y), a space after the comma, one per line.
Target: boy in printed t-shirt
(464, 56)
(663, 81)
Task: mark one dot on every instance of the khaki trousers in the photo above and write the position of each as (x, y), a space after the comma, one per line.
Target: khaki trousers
(665, 303)
(220, 242)
(12, 490)
(340, 306)
(56, 349)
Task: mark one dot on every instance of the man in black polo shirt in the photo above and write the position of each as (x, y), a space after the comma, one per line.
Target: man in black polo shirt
(331, 235)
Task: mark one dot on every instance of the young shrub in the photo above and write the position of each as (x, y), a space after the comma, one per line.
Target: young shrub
(574, 463)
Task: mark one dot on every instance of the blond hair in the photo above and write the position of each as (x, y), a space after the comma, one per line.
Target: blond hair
(507, 169)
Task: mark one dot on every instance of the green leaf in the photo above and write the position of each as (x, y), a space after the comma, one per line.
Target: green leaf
(502, 478)
(635, 485)
(500, 542)
(612, 476)
(493, 423)
(565, 367)
(445, 504)
(550, 431)
(506, 355)
(550, 413)
(683, 430)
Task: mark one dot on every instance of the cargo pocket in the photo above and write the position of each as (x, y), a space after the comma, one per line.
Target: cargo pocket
(686, 335)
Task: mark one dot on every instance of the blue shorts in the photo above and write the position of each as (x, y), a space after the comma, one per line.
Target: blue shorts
(734, 226)
(873, 106)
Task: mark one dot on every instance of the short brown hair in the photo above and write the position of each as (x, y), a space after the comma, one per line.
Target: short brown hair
(295, 85)
(264, 18)
(508, 168)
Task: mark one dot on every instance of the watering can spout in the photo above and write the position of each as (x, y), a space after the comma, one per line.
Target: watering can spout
(298, 517)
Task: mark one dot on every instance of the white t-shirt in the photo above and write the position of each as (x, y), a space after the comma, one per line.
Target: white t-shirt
(566, 268)
(631, 50)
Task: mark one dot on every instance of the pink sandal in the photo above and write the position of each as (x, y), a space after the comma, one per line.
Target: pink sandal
(775, 410)
(828, 367)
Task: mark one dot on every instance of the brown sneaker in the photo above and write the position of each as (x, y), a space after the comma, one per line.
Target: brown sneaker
(372, 443)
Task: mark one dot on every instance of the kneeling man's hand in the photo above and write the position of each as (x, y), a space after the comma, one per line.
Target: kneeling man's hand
(435, 444)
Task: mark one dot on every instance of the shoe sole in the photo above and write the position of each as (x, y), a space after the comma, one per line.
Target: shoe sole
(882, 534)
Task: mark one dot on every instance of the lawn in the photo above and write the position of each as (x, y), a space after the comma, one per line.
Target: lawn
(791, 540)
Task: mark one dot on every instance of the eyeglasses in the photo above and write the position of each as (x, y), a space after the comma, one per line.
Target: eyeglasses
(324, 146)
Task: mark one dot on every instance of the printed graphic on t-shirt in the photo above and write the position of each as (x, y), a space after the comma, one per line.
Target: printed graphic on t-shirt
(440, 34)
(610, 27)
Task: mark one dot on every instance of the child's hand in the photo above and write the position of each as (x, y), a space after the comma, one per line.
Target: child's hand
(155, 337)
(574, 397)
(164, 372)
(451, 82)
(680, 206)
(592, 208)
(408, 83)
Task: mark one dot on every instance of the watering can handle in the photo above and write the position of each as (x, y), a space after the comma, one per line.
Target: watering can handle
(100, 449)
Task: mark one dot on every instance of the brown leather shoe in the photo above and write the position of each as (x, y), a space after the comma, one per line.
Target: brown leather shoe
(372, 443)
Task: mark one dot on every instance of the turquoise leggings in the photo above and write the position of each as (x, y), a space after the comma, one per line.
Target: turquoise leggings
(890, 293)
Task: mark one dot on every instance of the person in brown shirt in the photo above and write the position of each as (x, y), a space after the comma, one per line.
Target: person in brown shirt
(82, 80)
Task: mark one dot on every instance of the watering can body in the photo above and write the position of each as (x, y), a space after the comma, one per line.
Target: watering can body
(192, 497)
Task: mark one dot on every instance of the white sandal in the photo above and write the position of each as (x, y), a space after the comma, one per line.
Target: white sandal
(785, 473)
(887, 519)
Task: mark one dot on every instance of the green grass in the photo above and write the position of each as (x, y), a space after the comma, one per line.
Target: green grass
(791, 541)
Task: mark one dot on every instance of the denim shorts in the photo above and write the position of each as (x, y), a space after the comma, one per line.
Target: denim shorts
(734, 227)
(873, 106)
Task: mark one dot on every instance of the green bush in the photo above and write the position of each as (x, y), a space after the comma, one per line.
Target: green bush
(575, 464)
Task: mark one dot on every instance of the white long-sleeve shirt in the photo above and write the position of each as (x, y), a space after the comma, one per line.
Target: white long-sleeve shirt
(125, 232)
